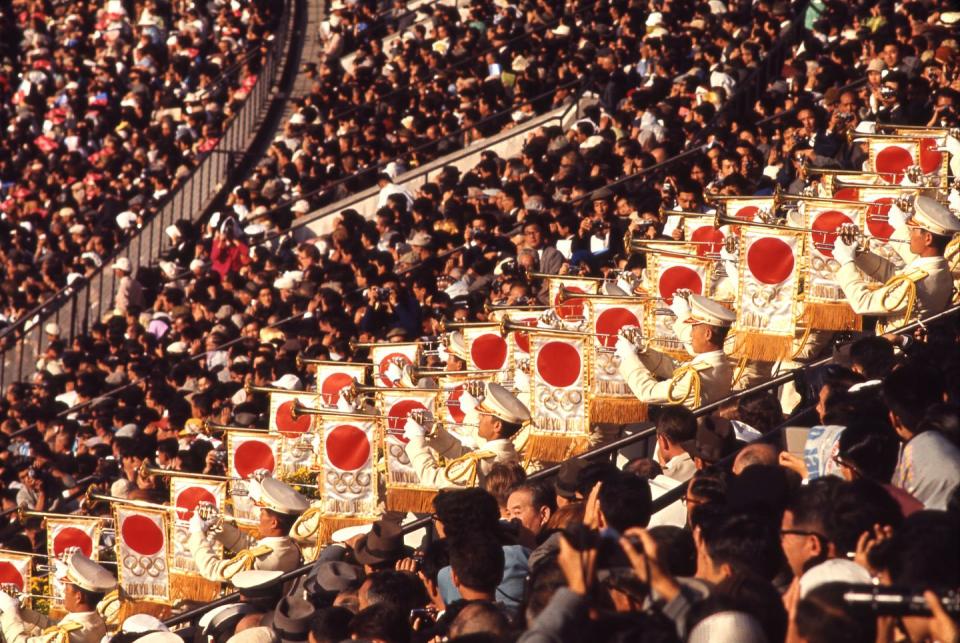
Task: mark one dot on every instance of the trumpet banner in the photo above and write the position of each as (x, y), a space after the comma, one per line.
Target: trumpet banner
(669, 274)
(611, 400)
(143, 553)
(749, 209)
(891, 159)
(519, 348)
(389, 359)
(449, 409)
(572, 308)
(296, 432)
(705, 240)
(248, 452)
(560, 422)
(880, 200)
(824, 304)
(64, 534)
(489, 351)
(404, 490)
(766, 317)
(348, 460)
(15, 569)
(333, 377)
(185, 495)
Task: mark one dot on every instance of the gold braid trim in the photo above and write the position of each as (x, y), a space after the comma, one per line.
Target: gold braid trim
(59, 633)
(686, 369)
(307, 525)
(244, 560)
(463, 470)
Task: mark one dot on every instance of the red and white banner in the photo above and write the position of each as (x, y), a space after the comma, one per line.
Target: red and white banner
(825, 218)
(389, 361)
(749, 209)
(247, 453)
(15, 570)
(668, 275)
(609, 316)
(333, 377)
(396, 407)
(66, 534)
(450, 413)
(769, 280)
(185, 495)
(348, 460)
(892, 158)
(560, 380)
(704, 239)
(488, 351)
(296, 431)
(143, 553)
(570, 308)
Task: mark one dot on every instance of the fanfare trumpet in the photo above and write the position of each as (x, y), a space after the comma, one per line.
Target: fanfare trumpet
(307, 361)
(847, 236)
(93, 499)
(564, 295)
(359, 345)
(210, 427)
(419, 373)
(490, 308)
(299, 410)
(19, 594)
(252, 389)
(446, 327)
(427, 420)
(507, 326)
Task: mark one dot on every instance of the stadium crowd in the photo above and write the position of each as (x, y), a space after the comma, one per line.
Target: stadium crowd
(106, 108)
(761, 549)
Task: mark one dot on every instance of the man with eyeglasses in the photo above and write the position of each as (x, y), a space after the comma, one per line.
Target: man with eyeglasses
(923, 287)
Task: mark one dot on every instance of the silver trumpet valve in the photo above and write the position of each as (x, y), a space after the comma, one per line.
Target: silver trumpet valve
(634, 335)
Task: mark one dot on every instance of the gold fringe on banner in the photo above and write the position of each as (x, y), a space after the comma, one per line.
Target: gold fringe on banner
(764, 348)
(831, 316)
(617, 410)
(129, 608)
(414, 500)
(555, 448)
(193, 587)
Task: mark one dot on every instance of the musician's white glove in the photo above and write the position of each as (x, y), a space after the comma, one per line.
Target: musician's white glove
(413, 429)
(345, 405)
(60, 568)
(896, 217)
(624, 348)
(197, 524)
(8, 604)
(844, 252)
(393, 372)
(681, 305)
(521, 381)
(254, 489)
(468, 403)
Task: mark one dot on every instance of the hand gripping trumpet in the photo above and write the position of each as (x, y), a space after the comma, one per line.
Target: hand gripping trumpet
(93, 499)
(426, 419)
(14, 590)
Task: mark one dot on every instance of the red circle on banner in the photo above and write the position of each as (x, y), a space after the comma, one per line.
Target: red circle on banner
(523, 339)
(558, 363)
(877, 215)
(252, 455)
(385, 364)
(453, 404)
(72, 537)
(397, 416)
(286, 423)
(676, 278)
(931, 158)
(571, 308)
(9, 574)
(847, 194)
(189, 498)
(747, 213)
(332, 385)
(709, 240)
(609, 323)
(891, 162)
(488, 351)
(347, 447)
(826, 225)
(142, 535)
(770, 260)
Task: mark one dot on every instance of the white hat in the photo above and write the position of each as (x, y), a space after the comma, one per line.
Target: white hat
(519, 63)
(77, 228)
(177, 348)
(591, 142)
(160, 637)
(284, 283)
(704, 310)
(168, 268)
(457, 346)
(51, 328)
(932, 215)
(717, 7)
(835, 570)
(126, 431)
(143, 623)
(122, 263)
(282, 498)
(561, 30)
(289, 382)
(655, 18)
(297, 119)
(174, 232)
(421, 239)
(126, 219)
(301, 206)
(728, 627)
(196, 264)
(260, 634)
(88, 575)
(255, 577)
(502, 404)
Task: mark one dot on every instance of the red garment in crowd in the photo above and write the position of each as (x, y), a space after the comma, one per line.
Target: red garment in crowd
(227, 258)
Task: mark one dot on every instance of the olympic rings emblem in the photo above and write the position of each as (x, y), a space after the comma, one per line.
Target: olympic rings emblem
(144, 565)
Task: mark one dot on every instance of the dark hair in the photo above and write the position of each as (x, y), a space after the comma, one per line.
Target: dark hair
(855, 507)
(625, 501)
(478, 563)
(677, 423)
(809, 503)
(541, 495)
(479, 618)
(923, 552)
(745, 542)
(381, 622)
(822, 616)
(870, 448)
(466, 511)
(709, 484)
(762, 411)
(874, 356)
(502, 478)
(759, 598)
(331, 624)
(910, 390)
(676, 551)
(401, 590)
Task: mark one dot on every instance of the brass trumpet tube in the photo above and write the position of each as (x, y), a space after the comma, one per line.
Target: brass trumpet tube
(304, 361)
(440, 373)
(300, 409)
(170, 473)
(681, 213)
(250, 389)
(448, 326)
(212, 426)
(492, 308)
(24, 513)
(355, 345)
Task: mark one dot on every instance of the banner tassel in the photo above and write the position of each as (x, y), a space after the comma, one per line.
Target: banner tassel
(763, 348)
(617, 410)
(410, 500)
(555, 448)
(129, 608)
(192, 587)
(831, 316)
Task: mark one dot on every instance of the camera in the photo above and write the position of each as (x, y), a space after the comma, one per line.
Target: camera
(898, 601)
(887, 92)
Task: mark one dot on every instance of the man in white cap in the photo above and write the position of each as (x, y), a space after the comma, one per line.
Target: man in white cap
(280, 506)
(129, 291)
(500, 416)
(923, 287)
(656, 378)
(85, 584)
(458, 355)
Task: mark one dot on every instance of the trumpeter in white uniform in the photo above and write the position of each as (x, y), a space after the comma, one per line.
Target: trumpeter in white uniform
(923, 287)
(440, 460)
(656, 378)
(280, 506)
(85, 584)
